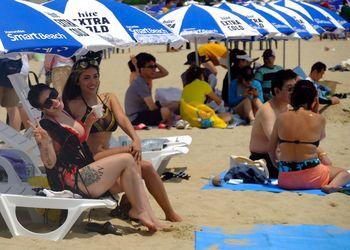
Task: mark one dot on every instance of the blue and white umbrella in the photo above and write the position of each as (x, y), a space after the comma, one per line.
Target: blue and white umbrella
(200, 23)
(311, 26)
(299, 31)
(272, 25)
(315, 13)
(30, 27)
(118, 23)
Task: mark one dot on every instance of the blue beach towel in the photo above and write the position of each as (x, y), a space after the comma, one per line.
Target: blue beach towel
(259, 187)
(308, 237)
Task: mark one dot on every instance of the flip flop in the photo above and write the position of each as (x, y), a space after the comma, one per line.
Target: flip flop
(107, 228)
(141, 126)
(162, 125)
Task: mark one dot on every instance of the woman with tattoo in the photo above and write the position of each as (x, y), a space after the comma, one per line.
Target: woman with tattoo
(79, 95)
(70, 165)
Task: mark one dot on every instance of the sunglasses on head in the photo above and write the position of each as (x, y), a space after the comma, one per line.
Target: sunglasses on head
(83, 64)
(48, 102)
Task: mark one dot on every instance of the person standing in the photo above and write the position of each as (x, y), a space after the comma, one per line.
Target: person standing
(60, 68)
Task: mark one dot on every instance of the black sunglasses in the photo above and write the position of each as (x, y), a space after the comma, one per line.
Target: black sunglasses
(152, 66)
(83, 64)
(48, 102)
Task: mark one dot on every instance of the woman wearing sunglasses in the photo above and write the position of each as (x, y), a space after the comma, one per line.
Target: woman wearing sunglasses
(69, 162)
(79, 95)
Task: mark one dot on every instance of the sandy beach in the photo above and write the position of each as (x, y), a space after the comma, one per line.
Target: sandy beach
(234, 211)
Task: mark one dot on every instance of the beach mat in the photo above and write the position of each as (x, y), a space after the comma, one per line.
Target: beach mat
(259, 187)
(310, 237)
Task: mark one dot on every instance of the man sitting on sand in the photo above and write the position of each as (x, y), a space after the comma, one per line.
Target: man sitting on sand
(281, 87)
(139, 104)
(316, 73)
(265, 73)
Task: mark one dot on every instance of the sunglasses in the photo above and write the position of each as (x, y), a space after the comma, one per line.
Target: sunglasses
(152, 66)
(83, 64)
(48, 102)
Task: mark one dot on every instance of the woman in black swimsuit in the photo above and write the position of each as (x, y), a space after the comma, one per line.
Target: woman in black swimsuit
(79, 95)
(297, 134)
(69, 162)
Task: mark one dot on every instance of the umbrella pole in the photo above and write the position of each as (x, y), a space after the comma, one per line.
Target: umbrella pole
(195, 49)
(228, 70)
(284, 54)
(299, 52)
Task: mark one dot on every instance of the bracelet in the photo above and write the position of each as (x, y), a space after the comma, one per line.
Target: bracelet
(322, 154)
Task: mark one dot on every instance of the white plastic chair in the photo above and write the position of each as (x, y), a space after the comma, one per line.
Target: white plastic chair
(15, 193)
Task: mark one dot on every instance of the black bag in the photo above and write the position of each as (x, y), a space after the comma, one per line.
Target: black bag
(249, 174)
(9, 67)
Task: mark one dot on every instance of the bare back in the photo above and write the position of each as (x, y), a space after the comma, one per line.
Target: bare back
(302, 129)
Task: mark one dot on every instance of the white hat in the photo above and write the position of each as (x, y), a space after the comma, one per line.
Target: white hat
(244, 57)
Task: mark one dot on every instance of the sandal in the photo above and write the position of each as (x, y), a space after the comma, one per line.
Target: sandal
(162, 125)
(168, 175)
(180, 124)
(141, 126)
(106, 228)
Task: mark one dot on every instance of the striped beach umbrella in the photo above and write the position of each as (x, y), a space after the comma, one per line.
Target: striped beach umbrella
(311, 26)
(316, 14)
(30, 27)
(272, 25)
(120, 24)
(299, 31)
(200, 23)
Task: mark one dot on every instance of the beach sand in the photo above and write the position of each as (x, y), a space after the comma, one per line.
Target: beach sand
(209, 155)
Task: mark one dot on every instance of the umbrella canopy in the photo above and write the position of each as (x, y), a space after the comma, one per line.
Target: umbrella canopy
(299, 31)
(30, 27)
(311, 26)
(118, 23)
(315, 13)
(275, 28)
(199, 22)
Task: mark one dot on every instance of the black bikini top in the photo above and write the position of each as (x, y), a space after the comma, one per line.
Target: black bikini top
(107, 123)
(315, 143)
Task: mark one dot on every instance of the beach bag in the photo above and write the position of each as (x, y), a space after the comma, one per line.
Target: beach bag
(248, 170)
(167, 95)
(200, 115)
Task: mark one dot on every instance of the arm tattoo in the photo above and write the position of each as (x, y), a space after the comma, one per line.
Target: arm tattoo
(90, 175)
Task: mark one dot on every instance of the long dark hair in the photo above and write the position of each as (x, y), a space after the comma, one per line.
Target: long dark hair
(34, 94)
(194, 72)
(72, 89)
(304, 93)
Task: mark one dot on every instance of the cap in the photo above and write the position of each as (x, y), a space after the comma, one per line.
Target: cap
(268, 53)
(191, 57)
(244, 57)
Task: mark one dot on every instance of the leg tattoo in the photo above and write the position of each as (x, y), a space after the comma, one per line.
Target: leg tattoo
(91, 175)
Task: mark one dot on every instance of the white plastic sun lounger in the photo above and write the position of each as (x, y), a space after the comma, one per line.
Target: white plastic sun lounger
(15, 193)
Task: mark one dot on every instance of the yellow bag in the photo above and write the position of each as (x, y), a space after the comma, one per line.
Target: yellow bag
(200, 115)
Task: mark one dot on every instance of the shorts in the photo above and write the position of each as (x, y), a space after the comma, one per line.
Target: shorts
(311, 178)
(150, 118)
(8, 97)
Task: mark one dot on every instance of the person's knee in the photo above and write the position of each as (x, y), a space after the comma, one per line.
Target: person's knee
(147, 168)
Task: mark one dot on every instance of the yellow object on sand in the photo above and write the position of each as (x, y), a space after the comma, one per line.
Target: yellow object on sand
(195, 112)
(41, 181)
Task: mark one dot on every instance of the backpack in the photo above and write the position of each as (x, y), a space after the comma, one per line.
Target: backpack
(249, 174)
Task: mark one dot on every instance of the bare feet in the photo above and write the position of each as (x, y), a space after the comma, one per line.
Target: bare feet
(173, 217)
(144, 219)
